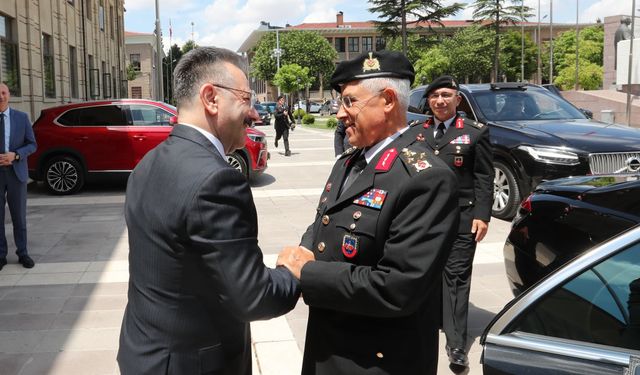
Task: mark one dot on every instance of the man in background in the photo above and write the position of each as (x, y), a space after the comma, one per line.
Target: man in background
(282, 124)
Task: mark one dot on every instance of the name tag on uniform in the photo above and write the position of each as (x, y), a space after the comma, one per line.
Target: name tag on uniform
(462, 140)
(373, 198)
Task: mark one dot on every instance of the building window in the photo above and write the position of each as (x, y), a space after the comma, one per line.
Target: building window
(136, 92)
(88, 9)
(106, 82)
(354, 44)
(340, 44)
(9, 69)
(101, 15)
(111, 25)
(48, 66)
(73, 72)
(94, 80)
(134, 58)
(114, 83)
(380, 44)
(367, 43)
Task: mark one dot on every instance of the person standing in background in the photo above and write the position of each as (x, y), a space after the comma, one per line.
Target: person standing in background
(282, 124)
(17, 142)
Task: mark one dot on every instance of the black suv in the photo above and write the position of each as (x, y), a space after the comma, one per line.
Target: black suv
(537, 136)
(265, 116)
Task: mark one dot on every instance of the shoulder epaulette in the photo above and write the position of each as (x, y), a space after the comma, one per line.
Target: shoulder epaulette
(475, 124)
(415, 160)
(414, 123)
(348, 151)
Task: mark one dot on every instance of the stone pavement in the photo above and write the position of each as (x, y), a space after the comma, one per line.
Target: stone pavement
(64, 315)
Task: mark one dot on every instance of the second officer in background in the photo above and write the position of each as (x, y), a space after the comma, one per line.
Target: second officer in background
(465, 147)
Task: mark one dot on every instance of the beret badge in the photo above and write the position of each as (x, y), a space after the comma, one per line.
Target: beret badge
(371, 63)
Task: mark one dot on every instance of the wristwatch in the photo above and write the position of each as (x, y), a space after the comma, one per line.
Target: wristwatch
(17, 157)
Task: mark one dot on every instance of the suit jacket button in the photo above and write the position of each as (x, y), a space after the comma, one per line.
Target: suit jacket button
(379, 355)
(356, 215)
(352, 226)
(436, 152)
(321, 247)
(325, 219)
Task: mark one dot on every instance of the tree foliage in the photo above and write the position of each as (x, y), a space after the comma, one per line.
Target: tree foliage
(397, 14)
(496, 13)
(589, 76)
(416, 45)
(431, 64)
(469, 54)
(188, 46)
(292, 77)
(304, 48)
(511, 56)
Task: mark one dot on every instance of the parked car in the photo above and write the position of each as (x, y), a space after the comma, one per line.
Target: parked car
(314, 107)
(546, 137)
(270, 106)
(580, 320)
(330, 107)
(265, 116)
(81, 140)
(563, 218)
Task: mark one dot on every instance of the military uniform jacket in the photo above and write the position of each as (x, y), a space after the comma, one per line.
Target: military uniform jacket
(466, 149)
(373, 293)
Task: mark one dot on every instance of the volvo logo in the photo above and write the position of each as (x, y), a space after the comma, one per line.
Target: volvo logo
(633, 164)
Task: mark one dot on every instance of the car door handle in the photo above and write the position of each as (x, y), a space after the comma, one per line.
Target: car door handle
(139, 137)
(82, 138)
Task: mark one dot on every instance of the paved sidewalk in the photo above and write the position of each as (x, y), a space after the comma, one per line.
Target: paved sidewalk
(64, 315)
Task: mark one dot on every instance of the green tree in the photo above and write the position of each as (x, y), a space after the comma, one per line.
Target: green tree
(469, 54)
(431, 64)
(416, 45)
(188, 46)
(511, 56)
(131, 72)
(305, 48)
(169, 65)
(589, 76)
(494, 14)
(397, 14)
(292, 77)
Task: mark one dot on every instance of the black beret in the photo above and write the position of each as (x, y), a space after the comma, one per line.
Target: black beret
(373, 65)
(442, 82)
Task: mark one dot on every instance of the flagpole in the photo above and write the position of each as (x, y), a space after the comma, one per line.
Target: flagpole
(170, 75)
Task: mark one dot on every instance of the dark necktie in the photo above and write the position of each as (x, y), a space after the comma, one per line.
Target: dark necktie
(2, 132)
(356, 166)
(440, 132)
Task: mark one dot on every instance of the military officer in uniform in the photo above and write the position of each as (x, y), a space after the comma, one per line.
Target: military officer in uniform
(385, 223)
(465, 147)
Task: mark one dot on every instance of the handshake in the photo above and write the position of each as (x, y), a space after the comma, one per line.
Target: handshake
(294, 258)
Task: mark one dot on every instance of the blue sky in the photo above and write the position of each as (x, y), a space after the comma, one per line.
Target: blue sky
(227, 23)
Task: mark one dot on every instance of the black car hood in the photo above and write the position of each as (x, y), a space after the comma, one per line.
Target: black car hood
(582, 184)
(586, 135)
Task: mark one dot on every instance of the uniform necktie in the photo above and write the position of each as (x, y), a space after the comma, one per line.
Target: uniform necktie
(357, 165)
(2, 148)
(440, 132)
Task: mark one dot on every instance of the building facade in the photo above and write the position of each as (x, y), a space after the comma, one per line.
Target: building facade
(61, 51)
(141, 57)
(351, 39)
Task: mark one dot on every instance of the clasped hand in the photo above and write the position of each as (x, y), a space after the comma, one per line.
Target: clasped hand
(294, 258)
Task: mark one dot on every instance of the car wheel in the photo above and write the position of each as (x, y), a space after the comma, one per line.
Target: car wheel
(63, 175)
(237, 161)
(506, 194)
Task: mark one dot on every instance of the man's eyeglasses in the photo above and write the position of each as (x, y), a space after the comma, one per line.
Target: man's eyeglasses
(446, 96)
(247, 97)
(350, 101)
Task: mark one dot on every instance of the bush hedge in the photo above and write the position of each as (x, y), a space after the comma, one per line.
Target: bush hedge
(332, 122)
(308, 119)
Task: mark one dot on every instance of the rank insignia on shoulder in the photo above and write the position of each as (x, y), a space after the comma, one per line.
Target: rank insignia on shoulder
(421, 165)
(420, 138)
(349, 246)
(461, 140)
(373, 198)
(413, 123)
(386, 160)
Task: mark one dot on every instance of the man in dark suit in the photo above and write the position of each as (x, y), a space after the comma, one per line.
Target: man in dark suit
(282, 123)
(196, 272)
(384, 227)
(465, 147)
(16, 143)
(340, 139)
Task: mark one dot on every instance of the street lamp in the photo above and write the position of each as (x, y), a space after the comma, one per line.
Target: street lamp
(277, 52)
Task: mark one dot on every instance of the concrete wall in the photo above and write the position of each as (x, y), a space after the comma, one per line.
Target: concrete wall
(610, 100)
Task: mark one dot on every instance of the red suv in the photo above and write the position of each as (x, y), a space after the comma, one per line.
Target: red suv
(81, 140)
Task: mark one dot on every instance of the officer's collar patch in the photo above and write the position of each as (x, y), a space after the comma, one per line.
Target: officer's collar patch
(386, 160)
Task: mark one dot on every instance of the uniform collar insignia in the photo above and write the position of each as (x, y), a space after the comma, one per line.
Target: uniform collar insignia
(370, 64)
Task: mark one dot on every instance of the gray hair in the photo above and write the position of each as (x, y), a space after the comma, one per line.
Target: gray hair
(202, 65)
(400, 86)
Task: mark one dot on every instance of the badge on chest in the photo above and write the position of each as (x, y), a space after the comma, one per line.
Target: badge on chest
(349, 246)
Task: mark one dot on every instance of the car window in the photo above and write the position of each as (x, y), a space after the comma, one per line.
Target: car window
(148, 115)
(600, 305)
(530, 104)
(259, 107)
(416, 101)
(104, 115)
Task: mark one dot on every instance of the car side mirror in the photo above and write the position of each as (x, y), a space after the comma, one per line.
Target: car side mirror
(586, 112)
(173, 120)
